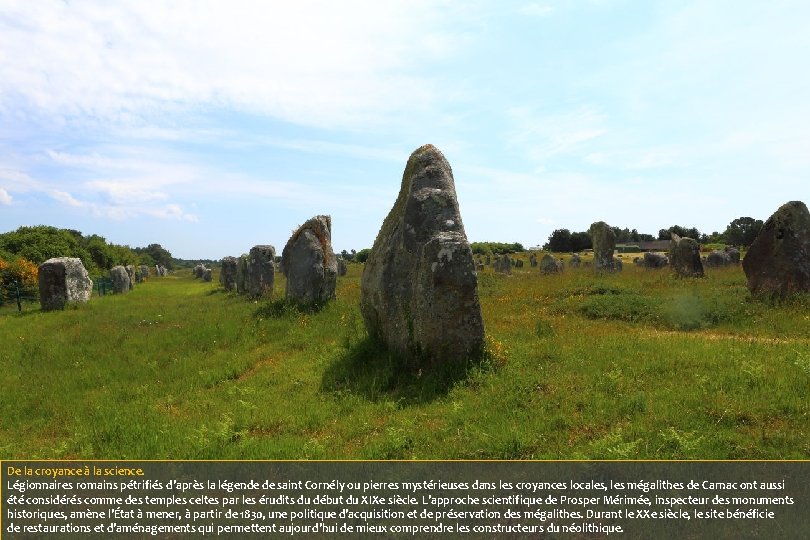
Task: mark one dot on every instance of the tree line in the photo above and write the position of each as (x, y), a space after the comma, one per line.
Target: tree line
(740, 232)
(41, 242)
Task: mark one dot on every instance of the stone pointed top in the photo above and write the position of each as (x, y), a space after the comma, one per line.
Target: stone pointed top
(419, 287)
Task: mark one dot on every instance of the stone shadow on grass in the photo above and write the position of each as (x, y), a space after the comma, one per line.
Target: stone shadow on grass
(366, 368)
(218, 290)
(282, 307)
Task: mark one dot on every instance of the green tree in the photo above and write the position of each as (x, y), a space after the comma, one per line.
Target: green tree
(581, 241)
(559, 241)
(158, 254)
(41, 242)
(742, 231)
(688, 232)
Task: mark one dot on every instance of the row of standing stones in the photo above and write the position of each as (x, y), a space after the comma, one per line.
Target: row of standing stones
(418, 291)
(64, 280)
(307, 261)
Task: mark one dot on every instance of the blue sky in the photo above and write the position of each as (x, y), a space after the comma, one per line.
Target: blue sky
(210, 127)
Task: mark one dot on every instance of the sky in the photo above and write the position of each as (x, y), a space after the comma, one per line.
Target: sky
(210, 127)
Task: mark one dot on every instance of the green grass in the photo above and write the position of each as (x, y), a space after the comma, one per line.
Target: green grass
(638, 365)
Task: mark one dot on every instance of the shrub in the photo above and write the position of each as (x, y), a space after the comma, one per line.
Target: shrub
(21, 273)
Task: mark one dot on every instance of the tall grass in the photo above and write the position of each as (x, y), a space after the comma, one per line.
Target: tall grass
(632, 365)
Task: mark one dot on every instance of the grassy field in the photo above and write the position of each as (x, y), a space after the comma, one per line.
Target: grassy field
(635, 365)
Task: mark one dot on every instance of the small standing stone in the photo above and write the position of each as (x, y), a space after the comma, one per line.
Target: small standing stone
(550, 265)
(261, 271)
(227, 275)
(63, 280)
(120, 280)
(503, 264)
(654, 260)
(718, 258)
(684, 257)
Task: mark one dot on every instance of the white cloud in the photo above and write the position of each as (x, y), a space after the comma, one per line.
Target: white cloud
(171, 211)
(119, 192)
(317, 63)
(65, 198)
(5, 198)
(544, 136)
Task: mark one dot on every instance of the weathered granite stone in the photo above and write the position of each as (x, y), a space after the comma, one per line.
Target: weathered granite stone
(63, 280)
(198, 271)
(131, 273)
(207, 275)
(654, 260)
(419, 290)
(718, 258)
(120, 279)
(684, 257)
(604, 244)
(533, 261)
(144, 271)
(575, 261)
(309, 263)
(227, 274)
(242, 273)
(261, 271)
(503, 264)
(518, 263)
(342, 267)
(733, 254)
(550, 265)
(778, 262)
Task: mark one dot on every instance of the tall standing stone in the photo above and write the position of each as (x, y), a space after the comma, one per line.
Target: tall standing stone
(778, 262)
(419, 290)
(207, 275)
(684, 257)
(227, 274)
(63, 280)
(120, 279)
(242, 274)
(261, 271)
(604, 244)
(309, 263)
(131, 273)
(342, 267)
